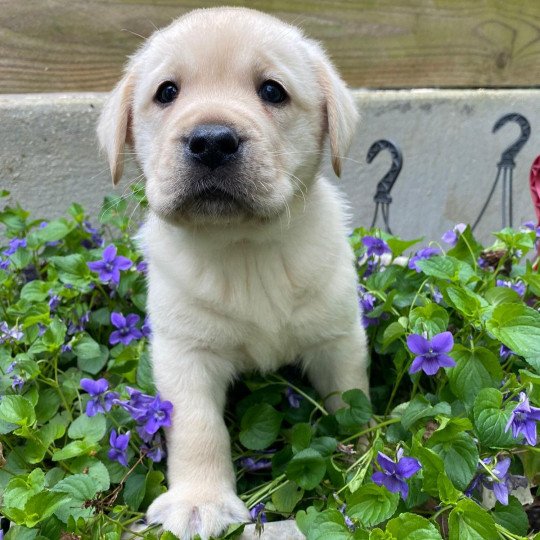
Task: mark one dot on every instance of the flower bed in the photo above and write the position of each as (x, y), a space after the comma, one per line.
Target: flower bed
(455, 339)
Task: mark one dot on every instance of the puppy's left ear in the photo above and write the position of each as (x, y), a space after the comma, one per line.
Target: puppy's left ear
(341, 112)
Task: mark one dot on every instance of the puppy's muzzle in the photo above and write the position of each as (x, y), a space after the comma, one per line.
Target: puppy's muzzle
(212, 145)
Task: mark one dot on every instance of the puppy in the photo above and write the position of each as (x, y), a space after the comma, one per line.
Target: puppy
(227, 110)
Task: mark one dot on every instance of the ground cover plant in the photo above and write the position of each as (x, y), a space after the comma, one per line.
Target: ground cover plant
(449, 435)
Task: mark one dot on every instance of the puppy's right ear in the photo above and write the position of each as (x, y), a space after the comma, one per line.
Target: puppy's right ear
(114, 127)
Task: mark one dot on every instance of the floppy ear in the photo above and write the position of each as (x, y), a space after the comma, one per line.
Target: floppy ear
(341, 112)
(114, 129)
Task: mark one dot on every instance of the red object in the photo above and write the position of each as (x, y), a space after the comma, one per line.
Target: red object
(534, 184)
(535, 187)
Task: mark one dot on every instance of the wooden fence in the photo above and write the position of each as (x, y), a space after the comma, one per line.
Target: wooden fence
(81, 45)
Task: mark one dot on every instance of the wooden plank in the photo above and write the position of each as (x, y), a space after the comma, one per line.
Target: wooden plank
(81, 45)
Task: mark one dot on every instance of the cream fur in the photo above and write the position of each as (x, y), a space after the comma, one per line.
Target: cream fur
(248, 292)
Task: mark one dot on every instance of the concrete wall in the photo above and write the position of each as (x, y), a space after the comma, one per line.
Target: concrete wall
(49, 156)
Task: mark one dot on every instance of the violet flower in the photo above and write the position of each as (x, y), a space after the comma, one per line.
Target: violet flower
(366, 302)
(451, 236)
(523, 420)
(154, 449)
(518, 286)
(109, 267)
(101, 401)
(431, 354)
(348, 520)
(257, 513)
(4, 264)
(421, 254)
(119, 446)
(146, 329)
(10, 335)
(14, 245)
(500, 481)
(157, 415)
(505, 353)
(254, 465)
(293, 398)
(17, 382)
(394, 473)
(126, 330)
(375, 246)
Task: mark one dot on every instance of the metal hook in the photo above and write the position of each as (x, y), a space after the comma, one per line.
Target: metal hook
(382, 195)
(507, 157)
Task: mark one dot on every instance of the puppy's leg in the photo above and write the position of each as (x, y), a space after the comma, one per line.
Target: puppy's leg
(339, 365)
(201, 498)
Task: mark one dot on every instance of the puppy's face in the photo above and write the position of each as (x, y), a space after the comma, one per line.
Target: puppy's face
(227, 110)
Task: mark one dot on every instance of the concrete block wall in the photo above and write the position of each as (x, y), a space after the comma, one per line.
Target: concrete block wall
(49, 156)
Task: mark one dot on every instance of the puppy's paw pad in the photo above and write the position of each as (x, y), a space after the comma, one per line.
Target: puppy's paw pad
(187, 516)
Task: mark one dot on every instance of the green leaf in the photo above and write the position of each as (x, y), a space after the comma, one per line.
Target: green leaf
(20, 489)
(91, 428)
(468, 521)
(420, 408)
(359, 411)
(432, 467)
(460, 457)
(307, 468)
(300, 436)
(391, 333)
(17, 410)
(287, 497)
(80, 486)
(35, 291)
(447, 492)
(517, 326)
(464, 300)
(41, 506)
(412, 527)
(474, 371)
(431, 318)
(91, 355)
(372, 504)
(512, 517)
(260, 426)
(134, 490)
(326, 446)
(490, 419)
(73, 449)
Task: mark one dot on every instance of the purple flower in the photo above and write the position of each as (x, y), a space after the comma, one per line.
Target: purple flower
(127, 331)
(451, 236)
(154, 450)
(142, 267)
(17, 382)
(253, 465)
(431, 353)
(11, 367)
(366, 301)
(101, 401)
(109, 267)
(14, 245)
(348, 520)
(4, 264)
(10, 335)
(421, 254)
(483, 263)
(67, 347)
(499, 481)
(375, 246)
(146, 329)
(293, 398)
(505, 353)
(437, 295)
(119, 446)
(523, 420)
(518, 286)
(54, 301)
(257, 513)
(394, 473)
(157, 415)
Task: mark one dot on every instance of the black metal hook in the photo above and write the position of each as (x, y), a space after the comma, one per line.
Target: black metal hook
(382, 195)
(385, 184)
(507, 157)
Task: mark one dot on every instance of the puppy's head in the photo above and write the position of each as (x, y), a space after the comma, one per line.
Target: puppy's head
(227, 110)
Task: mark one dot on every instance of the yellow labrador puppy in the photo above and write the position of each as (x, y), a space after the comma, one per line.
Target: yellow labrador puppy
(227, 110)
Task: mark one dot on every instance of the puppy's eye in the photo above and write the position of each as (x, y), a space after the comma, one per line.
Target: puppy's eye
(167, 92)
(272, 92)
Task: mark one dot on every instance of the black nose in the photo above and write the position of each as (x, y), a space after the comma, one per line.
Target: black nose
(212, 144)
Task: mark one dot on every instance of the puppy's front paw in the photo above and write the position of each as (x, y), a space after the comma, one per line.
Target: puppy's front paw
(187, 512)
